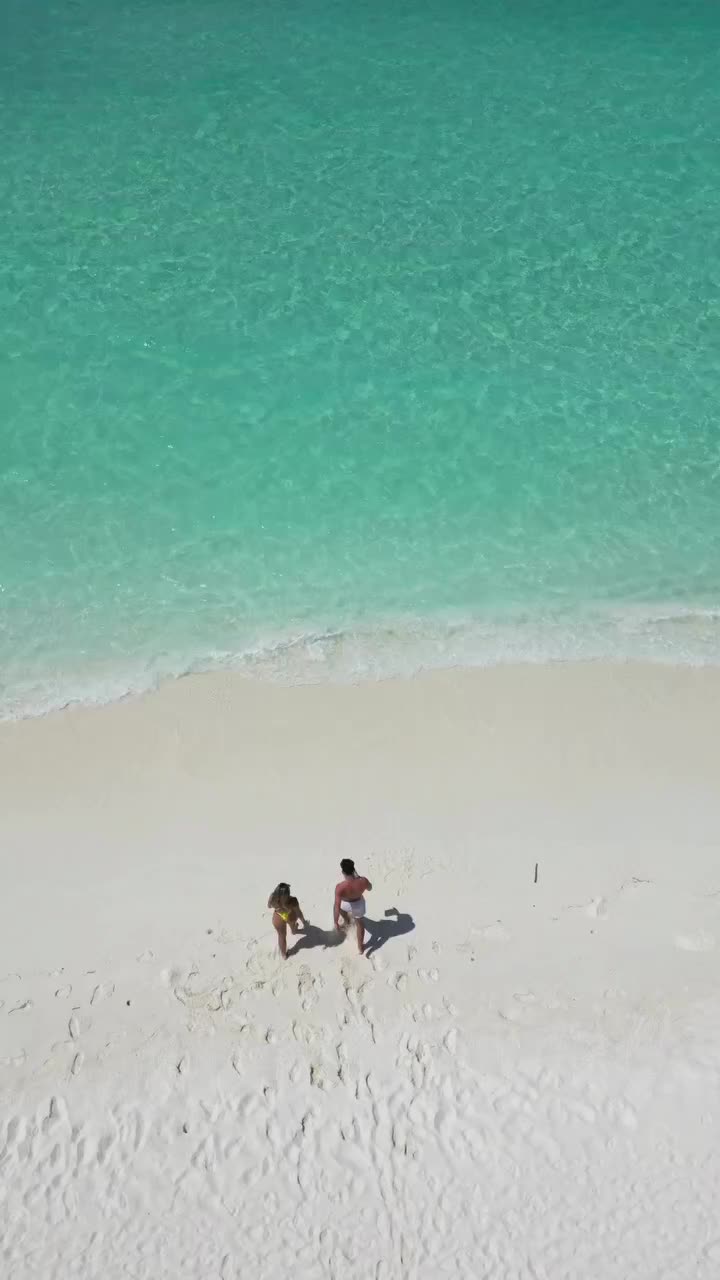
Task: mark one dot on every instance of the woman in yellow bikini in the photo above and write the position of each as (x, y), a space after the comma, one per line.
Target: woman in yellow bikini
(286, 912)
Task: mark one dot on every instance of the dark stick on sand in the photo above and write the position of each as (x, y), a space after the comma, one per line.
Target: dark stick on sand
(536, 867)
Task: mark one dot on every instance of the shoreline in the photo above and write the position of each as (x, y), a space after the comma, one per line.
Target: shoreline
(663, 633)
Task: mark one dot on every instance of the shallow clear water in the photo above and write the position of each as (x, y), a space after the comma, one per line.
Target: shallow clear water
(395, 330)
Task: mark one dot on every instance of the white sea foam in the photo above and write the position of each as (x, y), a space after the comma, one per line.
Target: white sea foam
(665, 633)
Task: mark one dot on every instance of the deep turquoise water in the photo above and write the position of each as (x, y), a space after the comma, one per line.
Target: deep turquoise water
(397, 325)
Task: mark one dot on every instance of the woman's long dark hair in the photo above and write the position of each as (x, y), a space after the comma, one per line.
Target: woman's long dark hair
(347, 866)
(281, 898)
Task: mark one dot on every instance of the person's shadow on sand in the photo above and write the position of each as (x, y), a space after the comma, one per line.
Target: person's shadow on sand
(381, 931)
(312, 936)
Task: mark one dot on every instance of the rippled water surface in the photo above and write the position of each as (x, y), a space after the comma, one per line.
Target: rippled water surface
(342, 338)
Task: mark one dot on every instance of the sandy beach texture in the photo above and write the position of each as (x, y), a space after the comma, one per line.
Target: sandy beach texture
(520, 1082)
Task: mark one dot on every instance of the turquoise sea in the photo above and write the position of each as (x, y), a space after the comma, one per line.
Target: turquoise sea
(344, 338)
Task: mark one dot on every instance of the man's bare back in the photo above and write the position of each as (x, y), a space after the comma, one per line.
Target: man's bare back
(352, 888)
(349, 901)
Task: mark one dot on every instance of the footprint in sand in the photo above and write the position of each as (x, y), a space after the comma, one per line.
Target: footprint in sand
(351, 995)
(450, 1041)
(21, 1006)
(307, 988)
(318, 1078)
(342, 1062)
(102, 992)
(62, 993)
(521, 1010)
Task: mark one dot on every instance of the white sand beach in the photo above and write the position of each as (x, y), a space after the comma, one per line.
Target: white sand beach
(521, 1081)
